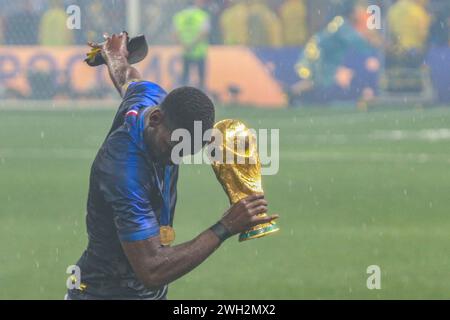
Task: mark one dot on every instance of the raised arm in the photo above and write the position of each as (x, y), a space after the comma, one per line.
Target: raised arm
(115, 53)
(156, 265)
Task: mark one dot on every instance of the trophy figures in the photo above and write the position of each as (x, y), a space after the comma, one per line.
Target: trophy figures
(240, 171)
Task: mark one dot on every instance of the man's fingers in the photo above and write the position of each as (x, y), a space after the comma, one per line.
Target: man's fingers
(252, 198)
(94, 45)
(259, 210)
(272, 217)
(124, 36)
(257, 203)
(265, 219)
(106, 36)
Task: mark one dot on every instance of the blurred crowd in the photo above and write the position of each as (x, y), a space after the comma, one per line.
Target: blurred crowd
(324, 30)
(43, 22)
(273, 23)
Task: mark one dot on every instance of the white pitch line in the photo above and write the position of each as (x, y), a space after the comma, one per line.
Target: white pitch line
(419, 158)
(431, 135)
(424, 135)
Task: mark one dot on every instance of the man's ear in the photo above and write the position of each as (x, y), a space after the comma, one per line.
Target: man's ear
(156, 117)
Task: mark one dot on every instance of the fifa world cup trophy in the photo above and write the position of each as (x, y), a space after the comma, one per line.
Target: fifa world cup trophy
(240, 171)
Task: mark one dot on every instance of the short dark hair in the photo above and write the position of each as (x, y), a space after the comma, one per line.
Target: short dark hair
(185, 105)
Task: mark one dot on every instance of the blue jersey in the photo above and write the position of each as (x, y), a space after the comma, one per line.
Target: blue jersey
(130, 196)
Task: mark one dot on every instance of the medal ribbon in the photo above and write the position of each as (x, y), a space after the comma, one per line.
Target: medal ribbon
(165, 211)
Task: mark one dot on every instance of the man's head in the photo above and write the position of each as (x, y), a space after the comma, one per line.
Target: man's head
(180, 110)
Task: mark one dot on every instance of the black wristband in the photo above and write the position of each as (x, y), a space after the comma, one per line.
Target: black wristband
(221, 231)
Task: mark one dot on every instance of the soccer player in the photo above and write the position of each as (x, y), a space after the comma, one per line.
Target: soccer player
(132, 191)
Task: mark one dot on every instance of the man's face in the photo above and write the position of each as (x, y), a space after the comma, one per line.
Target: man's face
(161, 143)
(158, 137)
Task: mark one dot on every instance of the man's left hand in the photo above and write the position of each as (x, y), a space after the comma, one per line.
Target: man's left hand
(114, 46)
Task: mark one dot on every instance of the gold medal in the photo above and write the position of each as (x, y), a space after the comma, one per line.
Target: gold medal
(166, 235)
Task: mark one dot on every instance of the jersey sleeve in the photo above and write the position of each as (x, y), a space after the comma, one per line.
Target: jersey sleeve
(125, 185)
(138, 94)
(142, 94)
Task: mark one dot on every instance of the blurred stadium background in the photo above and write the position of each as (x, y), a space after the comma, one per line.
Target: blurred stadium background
(364, 131)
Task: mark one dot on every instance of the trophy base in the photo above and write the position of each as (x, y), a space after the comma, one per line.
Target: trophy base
(259, 231)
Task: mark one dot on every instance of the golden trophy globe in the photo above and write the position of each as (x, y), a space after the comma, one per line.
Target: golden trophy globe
(240, 171)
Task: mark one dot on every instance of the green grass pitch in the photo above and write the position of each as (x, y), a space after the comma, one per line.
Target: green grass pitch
(354, 189)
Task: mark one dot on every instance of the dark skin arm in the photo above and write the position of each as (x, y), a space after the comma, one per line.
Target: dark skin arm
(115, 53)
(156, 265)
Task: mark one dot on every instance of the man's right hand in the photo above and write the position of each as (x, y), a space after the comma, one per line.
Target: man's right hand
(157, 265)
(244, 215)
